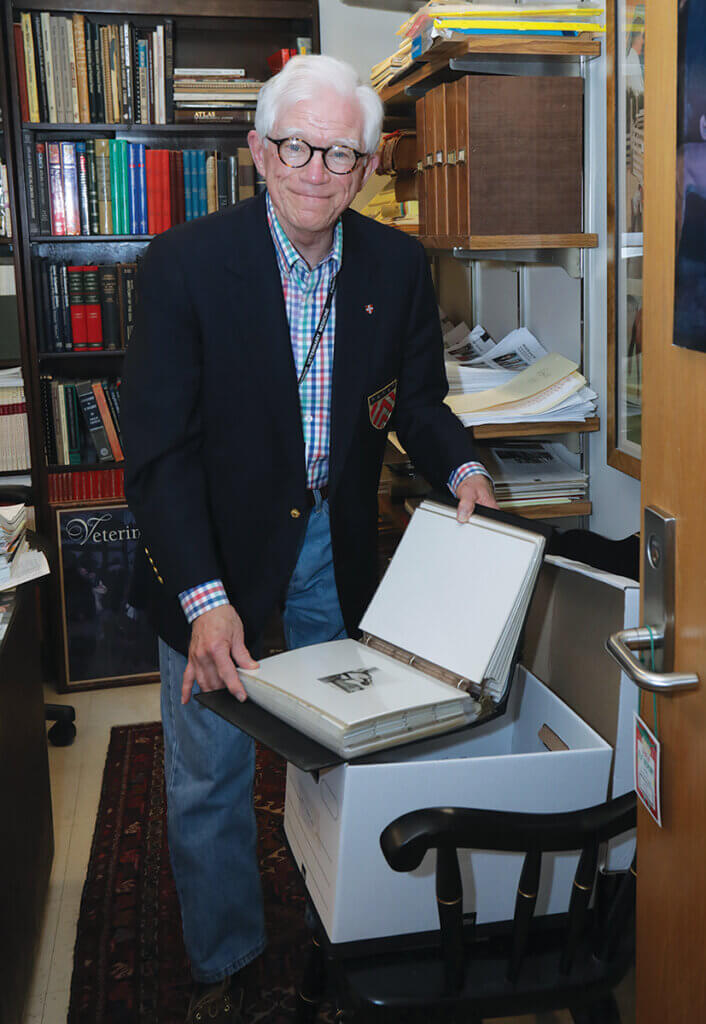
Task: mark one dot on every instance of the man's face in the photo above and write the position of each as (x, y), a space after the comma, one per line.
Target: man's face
(309, 200)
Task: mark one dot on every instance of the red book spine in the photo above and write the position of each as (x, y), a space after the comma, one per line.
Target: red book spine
(181, 207)
(164, 189)
(151, 196)
(92, 299)
(21, 71)
(173, 213)
(111, 432)
(56, 189)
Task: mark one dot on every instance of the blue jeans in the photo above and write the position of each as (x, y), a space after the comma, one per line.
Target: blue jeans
(209, 772)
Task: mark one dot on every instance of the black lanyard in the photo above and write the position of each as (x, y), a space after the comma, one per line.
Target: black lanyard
(318, 333)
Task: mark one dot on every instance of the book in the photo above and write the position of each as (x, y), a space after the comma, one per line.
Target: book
(103, 179)
(77, 305)
(200, 113)
(21, 71)
(79, 33)
(84, 205)
(126, 43)
(70, 185)
(107, 420)
(49, 69)
(246, 173)
(30, 67)
(437, 652)
(41, 66)
(169, 70)
(110, 314)
(56, 189)
(65, 306)
(55, 311)
(44, 210)
(127, 274)
(31, 178)
(94, 321)
(93, 420)
(92, 186)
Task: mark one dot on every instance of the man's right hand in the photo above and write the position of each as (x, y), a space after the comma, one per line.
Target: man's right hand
(217, 646)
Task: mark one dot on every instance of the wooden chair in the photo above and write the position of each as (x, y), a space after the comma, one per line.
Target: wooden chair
(527, 965)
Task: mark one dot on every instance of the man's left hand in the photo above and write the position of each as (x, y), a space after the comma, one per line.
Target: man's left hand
(474, 490)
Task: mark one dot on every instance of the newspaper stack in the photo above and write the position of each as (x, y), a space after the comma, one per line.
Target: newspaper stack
(512, 381)
(532, 473)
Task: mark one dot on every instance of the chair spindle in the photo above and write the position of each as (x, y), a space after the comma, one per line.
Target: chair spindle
(578, 906)
(449, 899)
(525, 902)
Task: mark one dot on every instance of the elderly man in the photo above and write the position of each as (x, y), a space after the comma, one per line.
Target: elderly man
(275, 343)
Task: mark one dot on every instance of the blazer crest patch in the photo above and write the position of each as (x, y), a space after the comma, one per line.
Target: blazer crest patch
(381, 405)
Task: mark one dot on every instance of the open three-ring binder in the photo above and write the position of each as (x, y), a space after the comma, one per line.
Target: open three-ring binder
(438, 646)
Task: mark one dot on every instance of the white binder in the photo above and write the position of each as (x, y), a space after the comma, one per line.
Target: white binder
(438, 640)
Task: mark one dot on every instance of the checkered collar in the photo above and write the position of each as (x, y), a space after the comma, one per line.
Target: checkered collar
(287, 255)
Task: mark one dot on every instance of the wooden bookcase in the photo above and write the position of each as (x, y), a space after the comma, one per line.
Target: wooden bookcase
(206, 33)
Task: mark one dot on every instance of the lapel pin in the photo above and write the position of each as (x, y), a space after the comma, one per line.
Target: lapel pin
(369, 310)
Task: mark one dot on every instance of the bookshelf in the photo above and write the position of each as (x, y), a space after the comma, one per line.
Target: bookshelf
(204, 34)
(460, 149)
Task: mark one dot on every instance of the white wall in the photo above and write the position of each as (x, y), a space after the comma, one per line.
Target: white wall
(361, 35)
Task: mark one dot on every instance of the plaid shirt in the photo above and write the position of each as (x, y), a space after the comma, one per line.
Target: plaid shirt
(305, 292)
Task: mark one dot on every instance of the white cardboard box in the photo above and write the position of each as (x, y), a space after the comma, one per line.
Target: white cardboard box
(574, 610)
(333, 824)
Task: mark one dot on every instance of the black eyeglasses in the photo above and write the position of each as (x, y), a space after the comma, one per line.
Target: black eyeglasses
(294, 152)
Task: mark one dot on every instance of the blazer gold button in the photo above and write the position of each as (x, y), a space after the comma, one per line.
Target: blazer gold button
(294, 513)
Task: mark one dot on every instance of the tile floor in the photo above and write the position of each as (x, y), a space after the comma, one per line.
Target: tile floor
(76, 776)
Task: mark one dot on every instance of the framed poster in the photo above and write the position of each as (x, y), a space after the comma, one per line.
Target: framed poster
(690, 272)
(105, 639)
(626, 124)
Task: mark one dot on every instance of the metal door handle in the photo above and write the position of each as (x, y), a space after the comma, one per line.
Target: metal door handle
(622, 644)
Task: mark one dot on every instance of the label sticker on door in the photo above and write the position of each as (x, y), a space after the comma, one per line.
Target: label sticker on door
(647, 769)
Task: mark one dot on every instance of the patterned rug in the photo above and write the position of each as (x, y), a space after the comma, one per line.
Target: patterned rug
(130, 966)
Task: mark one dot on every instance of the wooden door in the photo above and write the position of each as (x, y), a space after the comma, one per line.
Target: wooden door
(671, 885)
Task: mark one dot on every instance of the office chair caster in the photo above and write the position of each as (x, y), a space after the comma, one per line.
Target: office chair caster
(63, 732)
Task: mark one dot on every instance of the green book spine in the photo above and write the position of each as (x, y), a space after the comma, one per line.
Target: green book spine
(93, 218)
(124, 187)
(115, 187)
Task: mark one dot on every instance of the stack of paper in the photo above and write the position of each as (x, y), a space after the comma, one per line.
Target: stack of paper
(381, 73)
(439, 20)
(385, 208)
(532, 473)
(513, 380)
(13, 524)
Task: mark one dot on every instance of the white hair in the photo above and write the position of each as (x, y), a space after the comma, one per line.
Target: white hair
(302, 77)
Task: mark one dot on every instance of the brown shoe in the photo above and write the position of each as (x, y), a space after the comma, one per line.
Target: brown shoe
(216, 1004)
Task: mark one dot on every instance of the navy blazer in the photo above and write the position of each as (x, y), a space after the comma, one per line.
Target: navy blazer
(215, 473)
